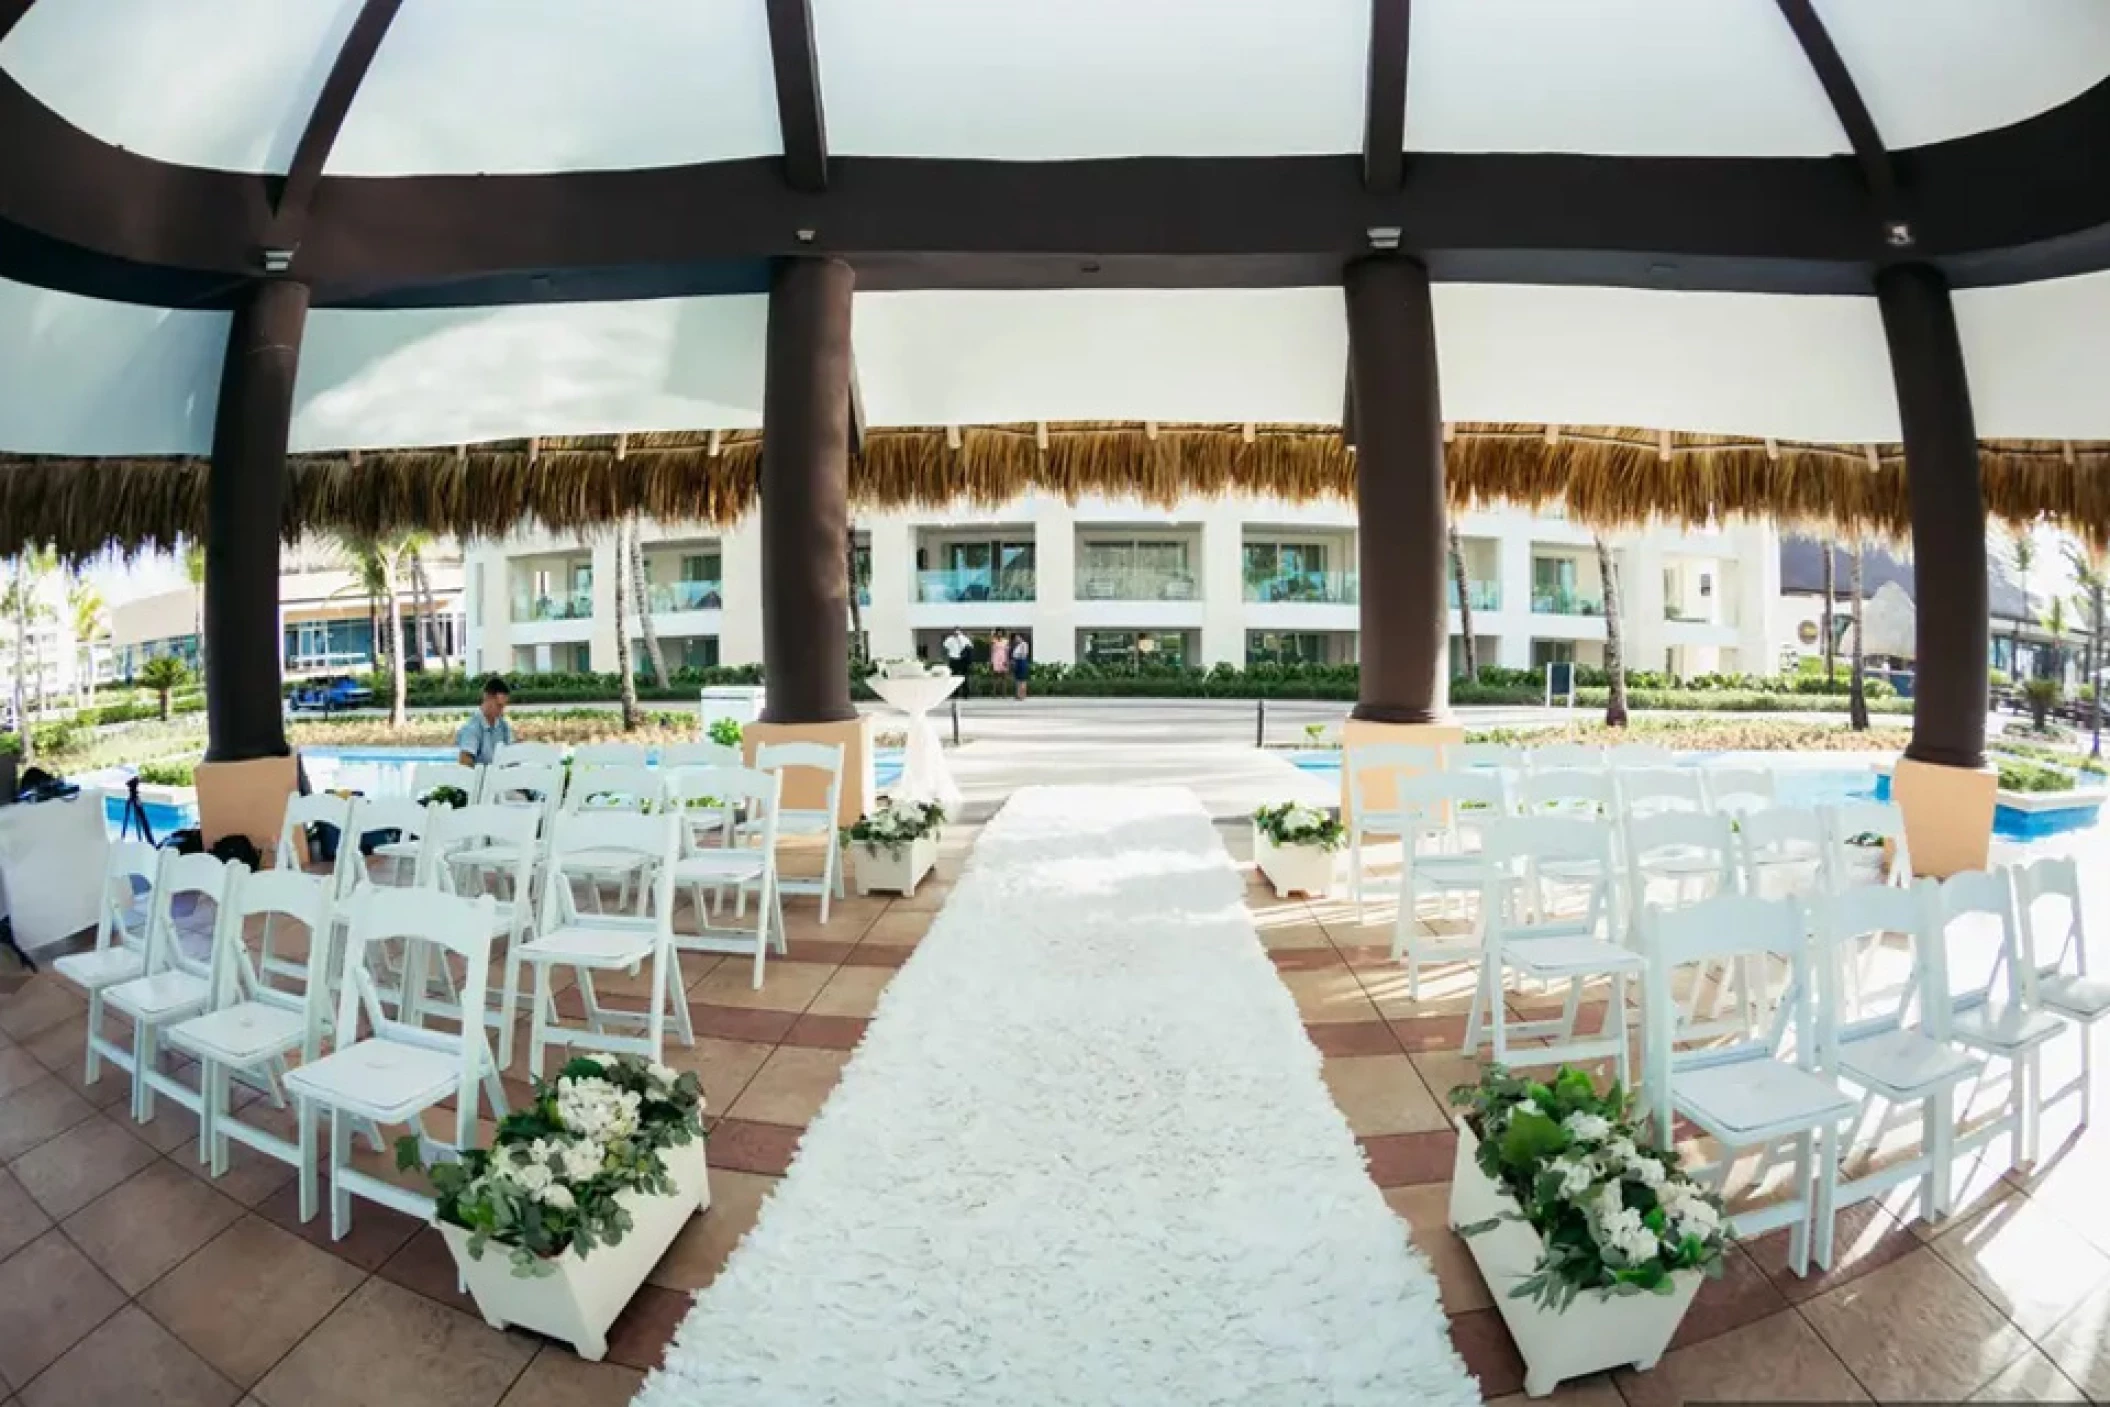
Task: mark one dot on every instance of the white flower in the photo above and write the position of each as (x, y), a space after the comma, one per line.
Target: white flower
(1611, 1201)
(532, 1176)
(1646, 1171)
(1586, 1128)
(664, 1076)
(581, 1159)
(596, 1109)
(1524, 1106)
(1622, 1150)
(1575, 1176)
(559, 1196)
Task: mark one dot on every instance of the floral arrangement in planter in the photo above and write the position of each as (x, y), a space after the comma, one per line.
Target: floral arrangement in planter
(556, 1175)
(1295, 846)
(1611, 1215)
(896, 826)
(1291, 824)
(909, 669)
(451, 796)
(724, 731)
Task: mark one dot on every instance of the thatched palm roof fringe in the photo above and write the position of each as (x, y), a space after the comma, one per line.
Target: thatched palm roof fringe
(1606, 477)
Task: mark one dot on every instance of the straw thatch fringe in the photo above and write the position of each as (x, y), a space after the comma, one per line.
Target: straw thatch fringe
(1607, 477)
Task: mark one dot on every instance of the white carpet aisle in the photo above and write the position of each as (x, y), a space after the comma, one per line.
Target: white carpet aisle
(1084, 1156)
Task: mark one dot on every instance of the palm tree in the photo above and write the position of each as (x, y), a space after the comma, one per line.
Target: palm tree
(194, 573)
(1614, 652)
(164, 674)
(2090, 570)
(2021, 555)
(381, 560)
(641, 586)
(22, 604)
(1465, 609)
(421, 603)
(2055, 625)
(1857, 687)
(626, 676)
(1831, 595)
(84, 605)
(857, 610)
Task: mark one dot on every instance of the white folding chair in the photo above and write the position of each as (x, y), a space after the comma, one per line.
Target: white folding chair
(470, 847)
(601, 790)
(673, 756)
(1886, 1035)
(1376, 812)
(1566, 757)
(1692, 854)
(1784, 850)
(539, 785)
(1471, 801)
(1761, 1089)
(1630, 757)
(374, 818)
(399, 1071)
(609, 755)
(793, 821)
(1990, 986)
(588, 943)
(177, 982)
(302, 812)
(2057, 944)
(705, 820)
(1531, 936)
(1484, 757)
(120, 952)
(1859, 832)
(252, 1025)
(1648, 791)
(1565, 792)
(740, 866)
(529, 755)
(428, 777)
(1738, 791)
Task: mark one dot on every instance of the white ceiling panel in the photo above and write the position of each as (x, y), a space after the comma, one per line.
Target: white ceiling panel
(517, 86)
(981, 358)
(391, 379)
(1092, 78)
(229, 83)
(2038, 355)
(80, 376)
(1725, 363)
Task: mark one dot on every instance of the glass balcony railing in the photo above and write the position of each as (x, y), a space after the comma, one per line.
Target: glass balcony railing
(1564, 601)
(1485, 595)
(1136, 584)
(687, 596)
(1314, 588)
(974, 584)
(574, 605)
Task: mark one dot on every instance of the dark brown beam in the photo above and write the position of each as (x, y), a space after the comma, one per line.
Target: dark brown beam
(798, 72)
(1866, 142)
(10, 12)
(326, 120)
(1385, 97)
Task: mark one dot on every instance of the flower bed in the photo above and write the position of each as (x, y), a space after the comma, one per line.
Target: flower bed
(896, 846)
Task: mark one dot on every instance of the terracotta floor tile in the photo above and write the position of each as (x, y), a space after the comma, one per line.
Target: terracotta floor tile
(21, 1219)
(2080, 1345)
(898, 928)
(1442, 1071)
(1867, 1238)
(391, 1345)
(51, 1297)
(827, 1032)
(1426, 1210)
(786, 986)
(43, 1003)
(41, 1110)
(828, 951)
(1915, 1330)
(641, 1333)
(699, 1252)
(251, 1176)
(1435, 1034)
(1352, 1037)
(377, 1232)
(724, 1066)
(426, 1265)
(2027, 1261)
(1305, 959)
(2030, 1378)
(1381, 1094)
(1777, 1359)
(19, 1068)
(1292, 936)
(852, 991)
(560, 1378)
(1744, 1295)
(1328, 994)
(247, 1298)
(733, 1023)
(740, 1146)
(878, 955)
(1490, 1355)
(81, 1164)
(129, 1360)
(791, 1086)
(1404, 1159)
(59, 1050)
(138, 1231)
(1597, 1390)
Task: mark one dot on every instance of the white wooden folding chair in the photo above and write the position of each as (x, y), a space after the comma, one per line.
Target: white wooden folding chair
(2048, 905)
(540, 785)
(606, 790)
(529, 755)
(120, 952)
(589, 943)
(1530, 935)
(1630, 757)
(741, 866)
(1738, 791)
(1460, 869)
(1887, 1035)
(1484, 757)
(1566, 757)
(429, 777)
(502, 843)
(1784, 850)
(1859, 833)
(705, 821)
(293, 853)
(177, 982)
(1565, 791)
(390, 828)
(1648, 791)
(1762, 1089)
(826, 758)
(1376, 812)
(399, 1071)
(1991, 986)
(674, 756)
(609, 755)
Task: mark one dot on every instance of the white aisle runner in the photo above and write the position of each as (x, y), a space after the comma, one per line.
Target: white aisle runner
(1084, 1155)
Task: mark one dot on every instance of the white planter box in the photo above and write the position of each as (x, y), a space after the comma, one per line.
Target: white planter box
(1595, 1332)
(1294, 869)
(892, 872)
(584, 1296)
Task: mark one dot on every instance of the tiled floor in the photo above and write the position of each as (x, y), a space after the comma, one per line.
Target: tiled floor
(127, 1277)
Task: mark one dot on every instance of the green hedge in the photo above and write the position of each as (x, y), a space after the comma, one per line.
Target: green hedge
(2028, 776)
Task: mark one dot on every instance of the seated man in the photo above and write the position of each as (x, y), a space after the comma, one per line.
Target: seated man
(486, 731)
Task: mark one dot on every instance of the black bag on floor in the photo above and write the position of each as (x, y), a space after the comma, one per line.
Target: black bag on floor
(236, 847)
(188, 841)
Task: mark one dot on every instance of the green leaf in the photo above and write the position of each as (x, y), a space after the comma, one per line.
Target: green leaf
(1529, 1137)
(410, 1153)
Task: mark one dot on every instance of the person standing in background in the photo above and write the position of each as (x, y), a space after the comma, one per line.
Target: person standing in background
(999, 660)
(1021, 664)
(959, 654)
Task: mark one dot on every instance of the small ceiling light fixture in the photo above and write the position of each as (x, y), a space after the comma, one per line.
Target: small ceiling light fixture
(1384, 236)
(805, 236)
(276, 261)
(1898, 234)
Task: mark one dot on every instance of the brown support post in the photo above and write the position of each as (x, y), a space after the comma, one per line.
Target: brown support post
(1942, 785)
(1401, 540)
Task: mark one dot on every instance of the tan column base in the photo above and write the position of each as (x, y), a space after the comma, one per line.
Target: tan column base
(246, 798)
(807, 790)
(1362, 730)
(1948, 815)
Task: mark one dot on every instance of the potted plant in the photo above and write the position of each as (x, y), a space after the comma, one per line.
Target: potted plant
(450, 796)
(584, 1190)
(1295, 846)
(896, 845)
(1593, 1243)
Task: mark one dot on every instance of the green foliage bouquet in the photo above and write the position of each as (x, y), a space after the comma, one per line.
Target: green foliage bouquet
(1291, 824)
(1612, 1215)
(896, 825)
(552, 1178)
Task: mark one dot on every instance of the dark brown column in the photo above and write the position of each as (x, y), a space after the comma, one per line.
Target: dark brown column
(806, 494)
(1400, 510)
(244, 512)
(1948, 516)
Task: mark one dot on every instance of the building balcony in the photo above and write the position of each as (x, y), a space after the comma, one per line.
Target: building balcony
(576, 605)
(1304, 588)
(967, 585)
(1136, 584)
(1565, 601)
(673, 596)
(1484, 595)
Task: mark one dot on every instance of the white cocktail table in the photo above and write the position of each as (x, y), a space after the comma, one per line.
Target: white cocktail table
(924, 775)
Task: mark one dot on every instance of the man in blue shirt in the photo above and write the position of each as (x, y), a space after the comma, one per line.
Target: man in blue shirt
(486, 731)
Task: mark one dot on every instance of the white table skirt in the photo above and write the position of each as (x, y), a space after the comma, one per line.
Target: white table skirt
(53, 856)
(924, 775)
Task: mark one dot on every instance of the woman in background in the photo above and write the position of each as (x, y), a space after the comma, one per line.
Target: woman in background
(1021, 664)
